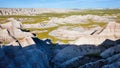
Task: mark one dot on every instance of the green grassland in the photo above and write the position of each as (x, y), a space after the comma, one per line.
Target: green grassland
(44, 35)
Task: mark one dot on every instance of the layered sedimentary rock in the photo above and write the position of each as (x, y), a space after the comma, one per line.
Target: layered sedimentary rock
(26, 41)
(5, 36)
(110, 31)
(12, 23)
(18, 33)
(71, 33)
(11, 31)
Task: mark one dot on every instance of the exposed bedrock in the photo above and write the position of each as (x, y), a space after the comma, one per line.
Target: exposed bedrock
(21, 49)
(110, 31)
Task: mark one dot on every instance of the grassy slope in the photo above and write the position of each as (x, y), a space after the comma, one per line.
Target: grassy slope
(46, 34)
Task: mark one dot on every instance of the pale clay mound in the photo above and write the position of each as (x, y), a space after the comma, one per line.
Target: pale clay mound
(110, 31)
(74, 19)
(12, 23)
(11, 31)
(71, 33)
(78, 19)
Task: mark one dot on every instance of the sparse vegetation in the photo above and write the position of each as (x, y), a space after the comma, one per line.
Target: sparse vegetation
(41, 18)
(44, 35)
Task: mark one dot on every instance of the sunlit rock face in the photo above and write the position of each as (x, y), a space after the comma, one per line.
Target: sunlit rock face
(12, 23)
(5, 36)
(11, 31)
(94, 40)
(18, 33)
(27, 41)
(72, 33)
(110, 31)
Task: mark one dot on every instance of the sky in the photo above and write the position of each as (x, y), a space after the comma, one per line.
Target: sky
(60, 4)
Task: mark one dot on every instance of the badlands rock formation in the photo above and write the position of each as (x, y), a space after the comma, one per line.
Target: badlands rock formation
(78, 19)
(11, 23)
(11, 31)
(71, 33)
(24, 50)
(110, 31)
(70, 20)
(30, 11)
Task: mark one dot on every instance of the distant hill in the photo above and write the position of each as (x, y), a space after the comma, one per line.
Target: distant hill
(30, 11)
